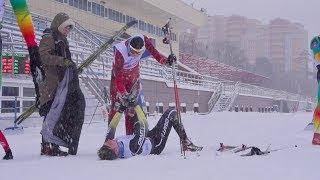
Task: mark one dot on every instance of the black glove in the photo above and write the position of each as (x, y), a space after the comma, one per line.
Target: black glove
(127, 100)
(68, 63)
(171, 58)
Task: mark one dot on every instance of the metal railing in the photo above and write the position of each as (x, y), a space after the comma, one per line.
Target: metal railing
(233, 96)
(215, 97)
(95, 85)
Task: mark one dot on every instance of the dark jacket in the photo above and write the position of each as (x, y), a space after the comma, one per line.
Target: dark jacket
(54, 50)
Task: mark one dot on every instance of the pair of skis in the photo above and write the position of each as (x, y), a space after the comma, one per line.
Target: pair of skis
(83, 65)
(238, 149)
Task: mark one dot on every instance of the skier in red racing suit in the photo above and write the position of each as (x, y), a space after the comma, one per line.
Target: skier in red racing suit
(126, 73)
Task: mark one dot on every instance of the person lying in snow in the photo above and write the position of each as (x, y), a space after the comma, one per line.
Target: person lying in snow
(154, 142)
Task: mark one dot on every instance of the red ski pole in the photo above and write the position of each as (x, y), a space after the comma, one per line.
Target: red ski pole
(167, 31)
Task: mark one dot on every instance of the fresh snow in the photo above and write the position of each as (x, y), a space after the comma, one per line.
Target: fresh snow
(284, 131)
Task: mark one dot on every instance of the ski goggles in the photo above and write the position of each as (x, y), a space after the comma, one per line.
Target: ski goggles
(135, 51)
(69, 27)
(315, 47)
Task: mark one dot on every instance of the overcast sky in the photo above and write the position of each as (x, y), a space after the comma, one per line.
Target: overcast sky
(306, 12)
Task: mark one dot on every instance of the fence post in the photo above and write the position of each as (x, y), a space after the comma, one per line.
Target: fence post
(15, 108)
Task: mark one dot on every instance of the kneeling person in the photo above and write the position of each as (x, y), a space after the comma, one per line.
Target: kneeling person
(154, 143)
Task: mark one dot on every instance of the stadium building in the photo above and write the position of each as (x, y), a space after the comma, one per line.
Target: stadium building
(95, 22)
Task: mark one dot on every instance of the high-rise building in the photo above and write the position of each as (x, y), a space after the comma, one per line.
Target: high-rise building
(249, 40)
(236, 27)
(262, 41)
(288, 42)
(214, 30)
(282, 42)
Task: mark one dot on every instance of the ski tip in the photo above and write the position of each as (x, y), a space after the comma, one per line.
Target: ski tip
(131, 23)
(18, 121)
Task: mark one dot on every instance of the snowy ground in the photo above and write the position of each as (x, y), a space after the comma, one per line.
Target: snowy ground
(280, 130)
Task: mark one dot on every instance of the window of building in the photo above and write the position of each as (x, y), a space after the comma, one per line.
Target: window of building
(153, 30)
(111, 14)
(136, 25)
(10, 91)
(95, 8)
(161, 33)
(114, 13)
(127, 18)
(81, 4)
(120, 17)
(85, 5)
(89, 6)
(123, 18)
(145, 26)
(117, 16)
(8, 106)
(60, 1)
(101, 11)
(158, 31)
(71, 2)
(76, 3)
(28, 92)
(149, 28)
(98, 9)
(141, 25)
(106, 12)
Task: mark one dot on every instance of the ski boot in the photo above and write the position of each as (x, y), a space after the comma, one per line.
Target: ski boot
(187, 145)
(50, 149)
(73, 146)
(8, 155)
(316, 139)
(73, 150)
